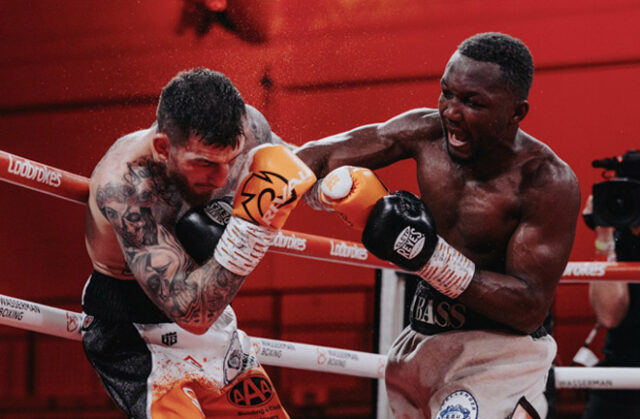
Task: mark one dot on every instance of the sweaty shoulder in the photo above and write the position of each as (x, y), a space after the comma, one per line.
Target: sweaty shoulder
(544, 172)
(257, 130)
(413, 127)
(125, 149)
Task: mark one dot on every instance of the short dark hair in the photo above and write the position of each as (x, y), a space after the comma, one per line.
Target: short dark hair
(510, 53)
(201, 102)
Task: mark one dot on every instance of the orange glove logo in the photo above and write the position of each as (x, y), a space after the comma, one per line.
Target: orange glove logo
(275, 182)
(260, 191)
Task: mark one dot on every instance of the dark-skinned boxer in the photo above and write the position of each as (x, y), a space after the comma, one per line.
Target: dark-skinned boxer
(489, 236)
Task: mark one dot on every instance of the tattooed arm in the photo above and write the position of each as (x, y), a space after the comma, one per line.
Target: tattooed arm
(137, 208)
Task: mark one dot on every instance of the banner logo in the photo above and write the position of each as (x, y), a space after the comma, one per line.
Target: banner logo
(34, 171)
(345, 250)
(290, 241)
(585, 269)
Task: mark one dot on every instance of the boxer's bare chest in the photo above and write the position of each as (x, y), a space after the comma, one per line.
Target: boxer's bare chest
(476, 216)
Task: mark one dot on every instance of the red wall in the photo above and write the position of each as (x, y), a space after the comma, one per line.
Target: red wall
(76, 75)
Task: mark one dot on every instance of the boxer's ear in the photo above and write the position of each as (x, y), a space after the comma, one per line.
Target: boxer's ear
(520, 111)
(161, 145)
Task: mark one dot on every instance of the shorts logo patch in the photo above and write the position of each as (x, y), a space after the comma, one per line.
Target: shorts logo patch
(233, 359)
(409, 242)
(459, 405)
(251, 392)
(170, 339)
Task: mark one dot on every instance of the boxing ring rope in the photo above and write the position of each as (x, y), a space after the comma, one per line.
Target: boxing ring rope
(36, 317)
(66, 185)
(67, 324)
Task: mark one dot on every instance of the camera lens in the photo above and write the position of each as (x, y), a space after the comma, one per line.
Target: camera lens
(616, 203)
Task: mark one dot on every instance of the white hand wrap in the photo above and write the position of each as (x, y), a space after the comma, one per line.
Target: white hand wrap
(242, 245)
(448, 271)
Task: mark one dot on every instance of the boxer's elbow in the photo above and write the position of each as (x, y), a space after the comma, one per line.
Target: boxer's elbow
(532, 315)
(196, 329)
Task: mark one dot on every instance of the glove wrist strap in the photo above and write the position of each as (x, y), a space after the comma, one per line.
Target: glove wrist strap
(242, 245)
(448, 271)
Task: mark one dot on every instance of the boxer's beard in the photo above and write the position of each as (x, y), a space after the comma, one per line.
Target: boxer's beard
(191, 197)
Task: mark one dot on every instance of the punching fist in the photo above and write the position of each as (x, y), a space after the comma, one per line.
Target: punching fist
(400, 229)
(275, 179)
(352, 192)
(200, 228)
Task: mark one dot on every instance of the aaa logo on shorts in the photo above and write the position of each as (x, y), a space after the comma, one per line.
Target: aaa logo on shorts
(250, 392)
(262, 190)
(459, 405)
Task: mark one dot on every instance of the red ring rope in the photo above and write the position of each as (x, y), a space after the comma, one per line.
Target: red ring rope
(62, 184)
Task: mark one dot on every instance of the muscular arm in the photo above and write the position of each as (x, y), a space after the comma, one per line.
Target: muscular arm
(192, 297)
(610, 302)
(536, 256)
(374, 145)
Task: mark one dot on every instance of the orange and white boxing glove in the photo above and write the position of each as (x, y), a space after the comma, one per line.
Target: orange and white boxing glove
(275, 179)
(352, 192)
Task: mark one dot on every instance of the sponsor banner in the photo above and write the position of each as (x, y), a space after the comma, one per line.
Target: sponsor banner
(597, 377)
(67, 324)
(39, 318)
(34, 171)
(43, 178)
(601, 271)
(318, 358)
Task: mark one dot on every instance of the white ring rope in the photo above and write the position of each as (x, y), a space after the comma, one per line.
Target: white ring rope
(67, 324)
(40, 318)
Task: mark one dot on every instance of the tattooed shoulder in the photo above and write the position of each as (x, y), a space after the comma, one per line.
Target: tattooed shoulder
(258, 125)
(137, 202)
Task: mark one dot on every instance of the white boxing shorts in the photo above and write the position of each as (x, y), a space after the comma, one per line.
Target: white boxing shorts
(155, 369)
(467, 374)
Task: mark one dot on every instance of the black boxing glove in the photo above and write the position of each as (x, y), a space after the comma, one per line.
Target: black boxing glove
(400, 229)
(200, 228)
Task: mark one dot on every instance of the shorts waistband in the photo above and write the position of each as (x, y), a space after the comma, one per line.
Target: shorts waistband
(432, 313)
(119, 300)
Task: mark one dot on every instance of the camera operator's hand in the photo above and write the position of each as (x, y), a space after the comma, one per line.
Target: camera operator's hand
(587, 213)
(604, 243)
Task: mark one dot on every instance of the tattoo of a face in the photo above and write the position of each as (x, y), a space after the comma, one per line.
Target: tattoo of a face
(140, 207)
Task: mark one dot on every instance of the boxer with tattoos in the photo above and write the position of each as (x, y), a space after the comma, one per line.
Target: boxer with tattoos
(162, 336)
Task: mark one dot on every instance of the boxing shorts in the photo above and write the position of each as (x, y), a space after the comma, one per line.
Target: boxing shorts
(462, 365)
(152, 368)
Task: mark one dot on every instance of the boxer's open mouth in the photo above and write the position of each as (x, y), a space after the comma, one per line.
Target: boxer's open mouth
(457, 142)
